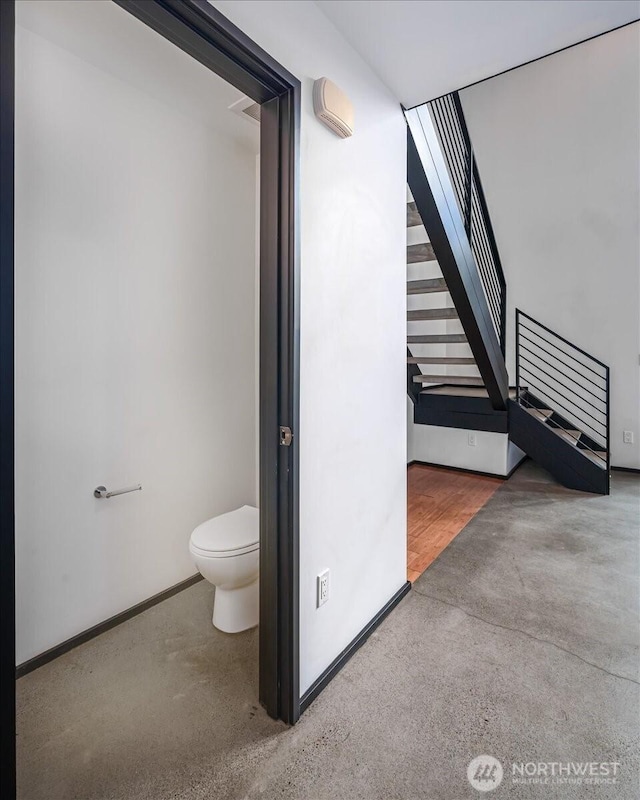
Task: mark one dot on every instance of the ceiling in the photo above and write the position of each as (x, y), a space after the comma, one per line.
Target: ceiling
(422, 49)
(107, 37)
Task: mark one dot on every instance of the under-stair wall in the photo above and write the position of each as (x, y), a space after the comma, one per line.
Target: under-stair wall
(487, 452)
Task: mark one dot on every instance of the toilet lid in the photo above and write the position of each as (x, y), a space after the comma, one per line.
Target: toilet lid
(236, 530)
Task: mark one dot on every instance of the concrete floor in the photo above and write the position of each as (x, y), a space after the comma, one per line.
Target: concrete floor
(520, 641)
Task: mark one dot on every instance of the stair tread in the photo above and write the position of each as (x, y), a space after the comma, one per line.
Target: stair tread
(599, 457)
(413, 217)
(427, 286)
(571, 436)
(440, 360)
(463, 391)
(463, 380)
(438, 338)
(432, 313)
(542, 414)
(420, 252)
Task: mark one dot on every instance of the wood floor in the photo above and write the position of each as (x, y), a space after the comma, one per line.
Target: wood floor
(440, 503)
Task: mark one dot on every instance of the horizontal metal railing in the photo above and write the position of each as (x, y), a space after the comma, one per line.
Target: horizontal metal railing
(567, 380)
(449, 121)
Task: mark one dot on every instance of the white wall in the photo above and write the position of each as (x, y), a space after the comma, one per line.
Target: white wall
(558, 148)
(436, 444)
(135, 281)
(353, 382)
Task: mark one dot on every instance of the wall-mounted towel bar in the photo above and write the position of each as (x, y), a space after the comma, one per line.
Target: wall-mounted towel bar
(101, 491)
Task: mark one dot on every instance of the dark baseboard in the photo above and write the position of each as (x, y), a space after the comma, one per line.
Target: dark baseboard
(632, 470)
(96, 630)
(468, 471)
(332, 670)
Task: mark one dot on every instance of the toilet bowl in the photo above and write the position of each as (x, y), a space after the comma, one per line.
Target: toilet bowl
(225, 550)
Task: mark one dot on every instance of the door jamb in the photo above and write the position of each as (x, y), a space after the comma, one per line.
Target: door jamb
(7, 481)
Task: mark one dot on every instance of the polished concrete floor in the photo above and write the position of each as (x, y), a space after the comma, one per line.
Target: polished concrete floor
(520, 641)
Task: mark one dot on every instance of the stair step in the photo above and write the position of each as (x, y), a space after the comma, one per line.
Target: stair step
(455, 380)
(570, 436)
(438, 338)
(599, 457)
(420, 252)
(438, 360)
(542, 414)
(413, 217)
(432, 313)
(427, 286)
(476, 392)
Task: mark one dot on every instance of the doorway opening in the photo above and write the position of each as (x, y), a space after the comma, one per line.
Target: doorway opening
(156, 336)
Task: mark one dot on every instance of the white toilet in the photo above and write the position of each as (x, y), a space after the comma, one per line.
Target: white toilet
(226, 551)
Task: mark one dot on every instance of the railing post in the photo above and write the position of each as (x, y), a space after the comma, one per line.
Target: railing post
(469, 195)
(503, 318)
(473, 181)
(517, 355)
(608, 429)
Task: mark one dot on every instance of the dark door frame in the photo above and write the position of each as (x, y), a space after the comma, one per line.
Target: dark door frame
(205, 34)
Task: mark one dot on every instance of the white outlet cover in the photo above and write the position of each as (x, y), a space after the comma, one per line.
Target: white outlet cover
(627, 437)
(323, 588)
(473, 440)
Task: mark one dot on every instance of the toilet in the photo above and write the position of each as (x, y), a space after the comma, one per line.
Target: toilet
(226, 551)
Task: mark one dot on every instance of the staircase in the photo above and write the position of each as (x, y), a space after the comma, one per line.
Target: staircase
(436, 342)
(456, 371)
(558, 412)
(444, 380)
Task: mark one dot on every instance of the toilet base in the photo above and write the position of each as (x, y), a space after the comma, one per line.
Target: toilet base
(236, 610)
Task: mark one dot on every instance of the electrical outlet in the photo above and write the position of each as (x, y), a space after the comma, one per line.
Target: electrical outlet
(473, 441)
(627, 437)
(323, 587)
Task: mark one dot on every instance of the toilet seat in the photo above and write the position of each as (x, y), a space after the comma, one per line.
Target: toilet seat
(228, 535)
(198, 551)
